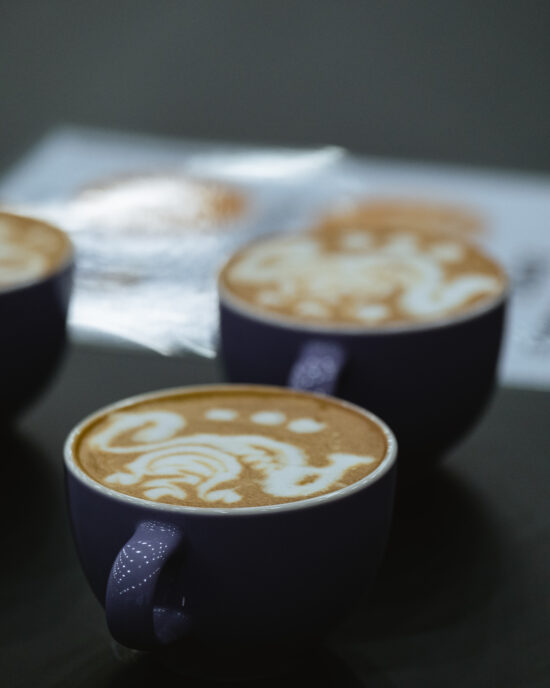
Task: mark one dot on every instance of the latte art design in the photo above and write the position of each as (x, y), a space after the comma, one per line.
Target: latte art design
(230, 446)
(18, 264)
(362, 277)
(29, 249)
(169, 464)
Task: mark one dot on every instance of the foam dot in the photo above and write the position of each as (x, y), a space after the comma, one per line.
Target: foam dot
(221, 414)
(268, 418)
(448, 252)
(372, 313)
(312, 308)
(305, 425)
(356, 240)
(270, 298)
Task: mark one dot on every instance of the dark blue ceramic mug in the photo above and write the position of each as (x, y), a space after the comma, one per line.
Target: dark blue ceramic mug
(430, 381)
(235, 587)
(33, 313)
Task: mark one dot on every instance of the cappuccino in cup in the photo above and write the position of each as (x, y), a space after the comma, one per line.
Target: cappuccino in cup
(30, 250)
(401, 213)
(158, 203)
(406, 321)
(230, 447)
(229, 526)
(36, 270)
(346, 277)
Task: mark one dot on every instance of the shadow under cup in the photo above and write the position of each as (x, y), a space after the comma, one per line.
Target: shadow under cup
(229, 591)
(430, 382)
(33, 332)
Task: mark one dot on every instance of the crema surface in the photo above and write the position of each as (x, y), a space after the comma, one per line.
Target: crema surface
(29, 250)
(230, 447)
(355, 276)
(400, 213)
(152, 203)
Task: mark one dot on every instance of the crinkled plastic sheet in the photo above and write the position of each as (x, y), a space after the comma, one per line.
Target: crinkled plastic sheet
(161, 293)
(150, 278)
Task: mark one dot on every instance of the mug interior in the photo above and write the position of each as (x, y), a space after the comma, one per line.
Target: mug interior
(66, 259)
(242, 307)
(76, 471)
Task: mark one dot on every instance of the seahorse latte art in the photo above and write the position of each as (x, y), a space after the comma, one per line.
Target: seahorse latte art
(363, 277)
(29, 249)
(240, 452)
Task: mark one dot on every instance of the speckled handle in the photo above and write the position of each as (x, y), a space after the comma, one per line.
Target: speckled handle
(318, 367)
(132, 616)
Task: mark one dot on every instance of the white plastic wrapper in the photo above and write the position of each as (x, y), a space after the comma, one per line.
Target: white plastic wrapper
(147, 261)
(507, 212)
(151, 230)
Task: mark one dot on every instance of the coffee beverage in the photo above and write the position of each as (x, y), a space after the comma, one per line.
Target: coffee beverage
(36, 274)
(223, 446)
(29, 250)
(399, 213)
(231, 526)
(152, 203)
(344, 276)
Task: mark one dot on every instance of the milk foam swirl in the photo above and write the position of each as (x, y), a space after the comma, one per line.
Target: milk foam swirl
(18, 264)
(29, 249)
(172, 464)
(360, 279)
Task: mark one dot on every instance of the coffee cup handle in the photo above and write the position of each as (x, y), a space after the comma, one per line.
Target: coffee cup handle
(318, 367)
(132, 616)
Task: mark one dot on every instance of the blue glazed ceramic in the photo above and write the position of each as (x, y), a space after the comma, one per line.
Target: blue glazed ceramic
(243, 582)
(32, 336)
(429, 382)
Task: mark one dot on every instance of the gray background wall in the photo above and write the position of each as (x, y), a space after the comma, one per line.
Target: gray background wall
(463, 81)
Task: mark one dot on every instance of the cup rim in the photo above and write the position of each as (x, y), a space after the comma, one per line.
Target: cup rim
(68, 259)
(384, 466)
(232, 301)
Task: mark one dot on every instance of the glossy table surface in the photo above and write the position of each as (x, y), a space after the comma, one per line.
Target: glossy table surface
(463, 597)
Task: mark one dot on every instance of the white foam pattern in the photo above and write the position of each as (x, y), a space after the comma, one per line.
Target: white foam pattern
(298, 275)
(221, 414)
(168, 464)
(20, 264)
